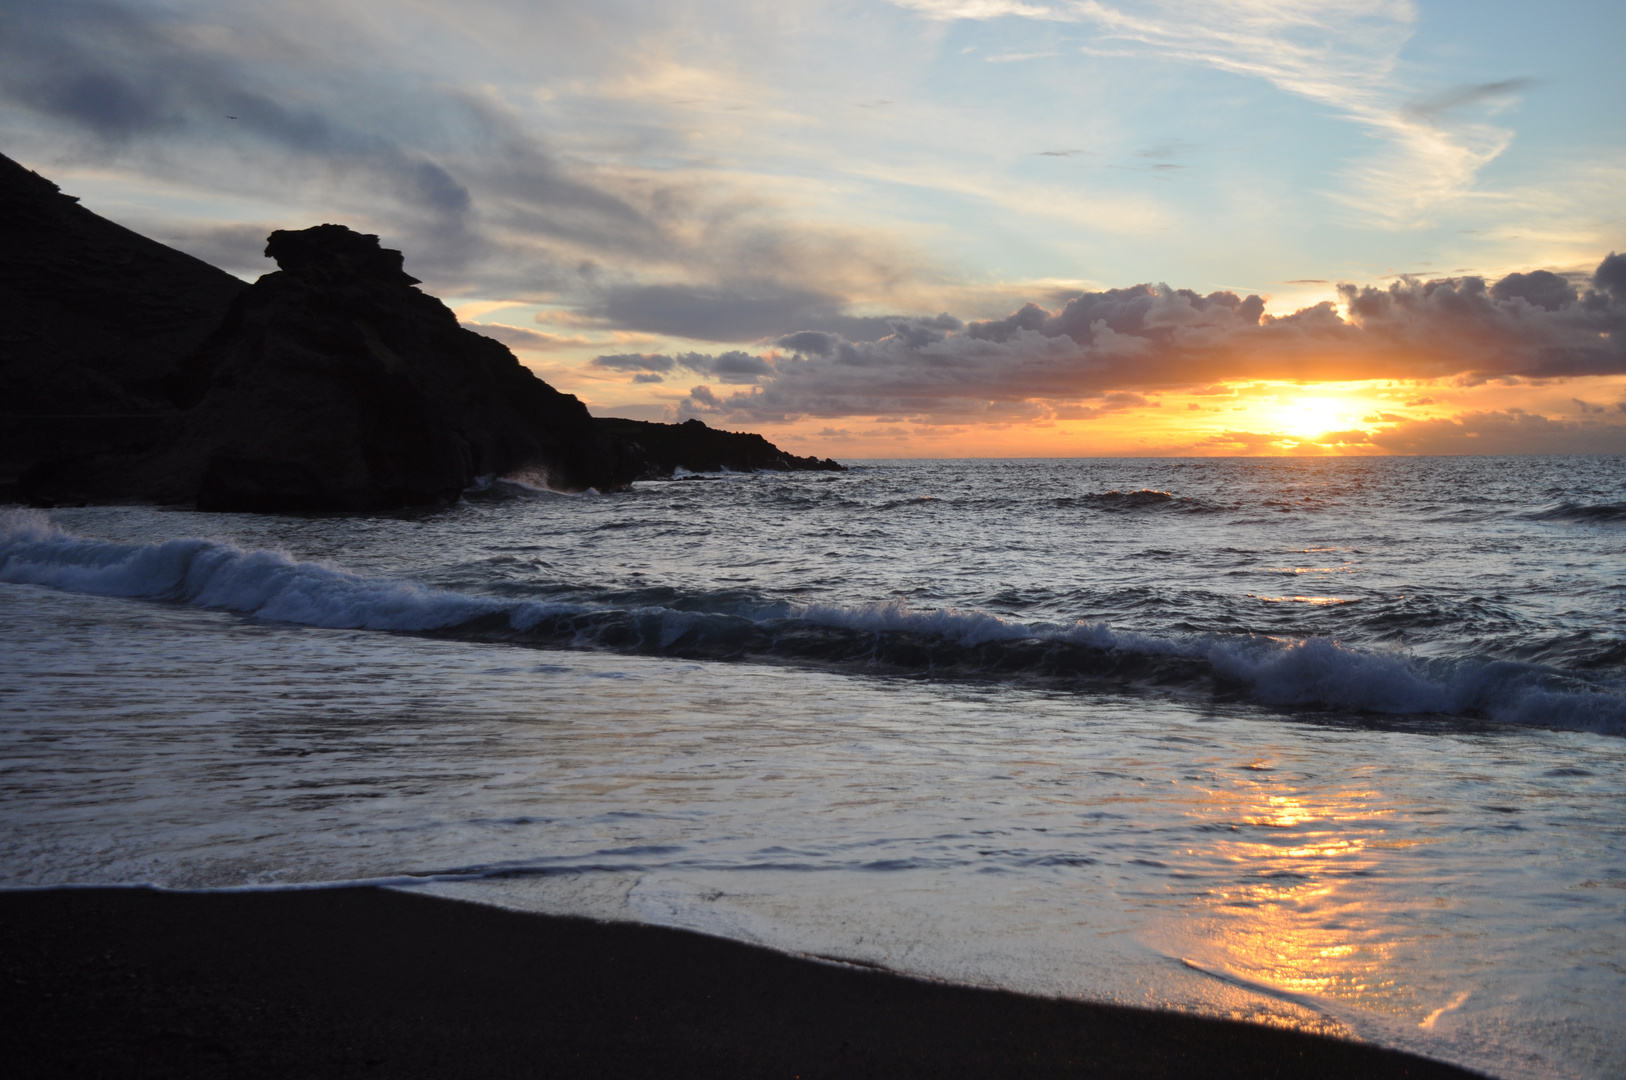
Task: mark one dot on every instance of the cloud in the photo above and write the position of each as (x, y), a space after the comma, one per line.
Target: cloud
(734, 366)
(635, 362)
(345, 119)
(1512, 431)
(517, 337)
(239, 248)
(730, 312)
(184, 97)
(1102, 351)
(1542, 288)
(1340, 54)
(1436, 105)
(120, 73)
(1533, 325)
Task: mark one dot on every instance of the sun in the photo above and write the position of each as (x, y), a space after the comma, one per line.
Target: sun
(1306, 418)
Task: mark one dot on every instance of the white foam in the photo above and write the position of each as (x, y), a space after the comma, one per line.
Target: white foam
(214, 574)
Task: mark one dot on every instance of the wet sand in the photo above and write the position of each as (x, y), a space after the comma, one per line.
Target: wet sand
(368, 982)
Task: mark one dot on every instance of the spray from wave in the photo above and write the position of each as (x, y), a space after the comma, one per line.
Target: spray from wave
(1285, 672)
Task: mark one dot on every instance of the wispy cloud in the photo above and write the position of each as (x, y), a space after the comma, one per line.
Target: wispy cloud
(1436, 106)
(1343, 54)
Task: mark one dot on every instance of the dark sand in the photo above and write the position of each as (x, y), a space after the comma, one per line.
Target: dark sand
(363, 982)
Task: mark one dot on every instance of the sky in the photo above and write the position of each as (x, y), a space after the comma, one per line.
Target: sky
(892, 228)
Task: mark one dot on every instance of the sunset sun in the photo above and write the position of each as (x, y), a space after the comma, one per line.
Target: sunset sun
(1307, 418)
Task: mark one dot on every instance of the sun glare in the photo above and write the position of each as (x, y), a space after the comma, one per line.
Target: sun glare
(1307, 418)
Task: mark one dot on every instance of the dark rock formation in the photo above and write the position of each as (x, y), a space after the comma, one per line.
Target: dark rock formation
(130, 372)
(662, 449)
(92, 317)
(335, 384)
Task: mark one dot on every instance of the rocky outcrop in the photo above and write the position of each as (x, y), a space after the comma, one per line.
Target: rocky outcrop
(662, 449)
(92, 317)
(335, 384)
(130, 372)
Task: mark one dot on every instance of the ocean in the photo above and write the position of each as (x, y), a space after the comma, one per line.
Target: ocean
(1329, 744)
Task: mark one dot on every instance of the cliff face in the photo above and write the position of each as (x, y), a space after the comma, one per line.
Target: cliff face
(335, 384)
(92, 316)
(130, 372)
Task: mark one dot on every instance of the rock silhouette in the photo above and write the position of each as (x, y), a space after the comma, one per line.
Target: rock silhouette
(336, 384)
(134, 373)
(662, 449)
(92, 317)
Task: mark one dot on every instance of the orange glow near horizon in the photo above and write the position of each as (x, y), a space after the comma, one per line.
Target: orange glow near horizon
(1233, 418)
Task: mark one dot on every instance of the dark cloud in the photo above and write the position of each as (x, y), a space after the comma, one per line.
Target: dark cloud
(1530, 325)
(118, 73)
(810, 342)
(1610, 278)
(732, 313)
(326, 117)
(737, 366)
(101, 67)
(734, 366)
(1433, 107)
(1099, 349)
(635, 362)
(1542, 288)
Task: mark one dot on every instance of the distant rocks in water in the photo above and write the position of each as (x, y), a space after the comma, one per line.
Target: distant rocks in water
(131, 372)
(691, 446)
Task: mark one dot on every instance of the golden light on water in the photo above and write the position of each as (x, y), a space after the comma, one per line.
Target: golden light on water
(1299, 916)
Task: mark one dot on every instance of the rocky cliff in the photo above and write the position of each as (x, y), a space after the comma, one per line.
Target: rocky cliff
(130, 372)
(335, 384)
(92, 317)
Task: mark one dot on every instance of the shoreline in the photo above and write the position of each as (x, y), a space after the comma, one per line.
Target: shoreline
(360, 980)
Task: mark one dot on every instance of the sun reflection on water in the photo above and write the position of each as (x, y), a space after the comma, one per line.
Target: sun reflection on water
(1297, 908)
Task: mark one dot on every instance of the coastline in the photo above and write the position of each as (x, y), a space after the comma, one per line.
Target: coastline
(368, 981)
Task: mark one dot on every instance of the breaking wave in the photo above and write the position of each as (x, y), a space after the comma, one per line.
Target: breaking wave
(1314, 672)
(1610, 513)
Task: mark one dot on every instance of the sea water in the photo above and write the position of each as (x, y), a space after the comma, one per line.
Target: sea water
(1335, 745)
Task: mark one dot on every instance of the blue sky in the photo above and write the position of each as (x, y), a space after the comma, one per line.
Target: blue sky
(674, 180)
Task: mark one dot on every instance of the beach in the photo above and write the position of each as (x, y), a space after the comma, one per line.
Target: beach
(372, 982)
(1323, 747)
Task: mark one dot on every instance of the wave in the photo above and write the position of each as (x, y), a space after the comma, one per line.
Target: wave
(1581, 512)
(1142, 500)
(1314, 673)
